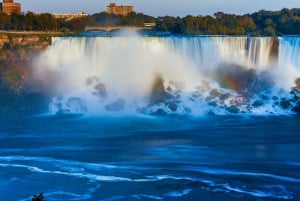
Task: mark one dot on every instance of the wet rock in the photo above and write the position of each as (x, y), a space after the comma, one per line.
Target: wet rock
(172, 106)
(195, 95)
(297, 82)
(187, 110)
(296, 108)
(296, 90)
(225, 96)
(117, 105)
(211, 113)
(91, 80)
(257, 103)
(101, 90)
(285, 104)
(158, 93)
(215, 93)
(233, 109)
(75, 104)
(213, 104)
(160, 112)
(264, 97)
(169, 89)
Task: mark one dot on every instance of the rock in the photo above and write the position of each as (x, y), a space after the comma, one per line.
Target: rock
(91, 80)
(225, 96)
(297, 82)
(211, 113)
(117, 105)
(233, 109)
(257, 103)
(285, 104)
(172, 106)
(187, 110)
(215, 93)
(213, 104)
(76, 105)
(160, 112)
(264, 97)
(296, 108)
(158, 93)
(101, 90)
(169, 89)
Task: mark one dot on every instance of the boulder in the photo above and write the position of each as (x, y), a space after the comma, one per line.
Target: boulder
(101, 90)
(233, 109)
(91, 80)
(257, 103)
(215, 93)
(296, 108)
(172, 106)
(285, 104)
(158, 93)
(297, 82)
(160, 112)
(213, 104)
(76, 105)
(117, 105)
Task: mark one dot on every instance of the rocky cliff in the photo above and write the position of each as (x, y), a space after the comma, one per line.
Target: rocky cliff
(16, 55)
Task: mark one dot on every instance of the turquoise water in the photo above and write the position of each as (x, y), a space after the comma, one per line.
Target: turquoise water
(150, 158)
(158, 118)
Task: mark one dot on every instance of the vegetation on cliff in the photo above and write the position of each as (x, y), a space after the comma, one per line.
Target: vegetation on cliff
(268, 23)
(16, 56)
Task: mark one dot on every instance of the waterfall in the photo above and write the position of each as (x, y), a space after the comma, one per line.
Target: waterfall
(111, 72)
(290, 51)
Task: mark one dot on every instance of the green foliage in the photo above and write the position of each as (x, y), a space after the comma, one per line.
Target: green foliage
(285, 21)
(133, 19)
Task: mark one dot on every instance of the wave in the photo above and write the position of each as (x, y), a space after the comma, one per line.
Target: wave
(230, 182)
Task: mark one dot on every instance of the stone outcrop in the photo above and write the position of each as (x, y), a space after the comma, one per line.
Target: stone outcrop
(16, 56)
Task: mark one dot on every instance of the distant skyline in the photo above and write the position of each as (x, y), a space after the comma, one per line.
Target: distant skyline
(160, 7)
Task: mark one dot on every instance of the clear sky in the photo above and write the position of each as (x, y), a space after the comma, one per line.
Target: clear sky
(160, 7)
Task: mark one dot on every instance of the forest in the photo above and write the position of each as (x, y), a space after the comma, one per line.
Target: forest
(261, 23)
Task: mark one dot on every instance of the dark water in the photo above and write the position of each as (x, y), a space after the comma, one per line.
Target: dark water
(150, 158)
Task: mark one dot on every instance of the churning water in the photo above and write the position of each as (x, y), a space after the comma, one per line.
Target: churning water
(159, 118)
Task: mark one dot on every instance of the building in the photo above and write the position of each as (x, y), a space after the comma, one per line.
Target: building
(69, 16)
(9, 7)
(119, 10)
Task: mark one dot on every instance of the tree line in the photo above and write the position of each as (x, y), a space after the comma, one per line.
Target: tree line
(266, 23)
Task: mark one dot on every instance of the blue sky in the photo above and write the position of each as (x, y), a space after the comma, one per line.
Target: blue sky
(160, 7)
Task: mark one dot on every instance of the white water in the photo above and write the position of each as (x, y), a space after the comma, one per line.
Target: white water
(128, 66)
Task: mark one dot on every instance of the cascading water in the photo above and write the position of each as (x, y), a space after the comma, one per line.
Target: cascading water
(195, 75)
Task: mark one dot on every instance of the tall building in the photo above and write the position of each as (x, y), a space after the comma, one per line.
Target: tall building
(9, 7)
(119, 10)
